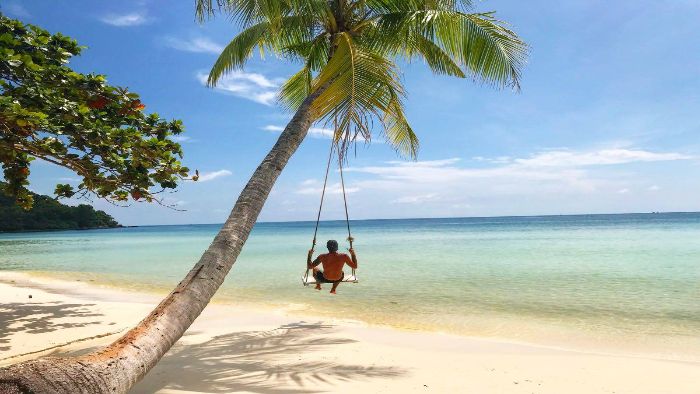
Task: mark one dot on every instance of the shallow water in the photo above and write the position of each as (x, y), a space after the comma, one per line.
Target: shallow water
(627, 281)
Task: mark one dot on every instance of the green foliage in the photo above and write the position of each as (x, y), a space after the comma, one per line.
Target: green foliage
(49, 214)
(348, 49)
(79, 122)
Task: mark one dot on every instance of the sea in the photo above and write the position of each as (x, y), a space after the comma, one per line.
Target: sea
(627, 283)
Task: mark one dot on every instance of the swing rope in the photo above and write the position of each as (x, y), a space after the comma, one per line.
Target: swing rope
(334, 146)
(345, 202)
(323, 193)
(345, 199)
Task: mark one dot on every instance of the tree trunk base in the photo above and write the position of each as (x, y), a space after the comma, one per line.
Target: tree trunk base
(55, 375)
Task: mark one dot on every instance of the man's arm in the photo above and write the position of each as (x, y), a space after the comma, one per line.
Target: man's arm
(312, 264)
(353, 262)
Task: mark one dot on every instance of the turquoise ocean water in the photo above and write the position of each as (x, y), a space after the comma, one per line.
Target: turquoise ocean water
(629, 282)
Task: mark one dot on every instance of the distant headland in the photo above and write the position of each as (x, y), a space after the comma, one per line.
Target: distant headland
(49, 214)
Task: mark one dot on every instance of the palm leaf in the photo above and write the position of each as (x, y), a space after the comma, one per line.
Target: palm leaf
(359, 86)
(479, 43)
(237, 52)
(296, 89)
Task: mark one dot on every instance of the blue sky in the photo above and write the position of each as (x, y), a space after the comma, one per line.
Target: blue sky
(607, 119)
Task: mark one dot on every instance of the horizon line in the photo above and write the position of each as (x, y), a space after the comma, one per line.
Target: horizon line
(436, 218)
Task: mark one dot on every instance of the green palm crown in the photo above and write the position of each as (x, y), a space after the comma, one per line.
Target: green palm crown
(348, 50)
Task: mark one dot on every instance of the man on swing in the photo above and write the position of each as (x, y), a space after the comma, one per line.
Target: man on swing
(333, 263)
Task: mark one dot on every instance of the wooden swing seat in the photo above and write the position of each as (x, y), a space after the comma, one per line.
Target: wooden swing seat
(307, 279)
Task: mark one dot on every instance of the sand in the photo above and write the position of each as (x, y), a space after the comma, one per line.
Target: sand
(233, 349)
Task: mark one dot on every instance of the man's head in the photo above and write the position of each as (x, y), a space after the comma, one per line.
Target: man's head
(332, 246)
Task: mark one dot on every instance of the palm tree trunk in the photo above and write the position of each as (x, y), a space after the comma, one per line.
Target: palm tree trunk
(120, 365)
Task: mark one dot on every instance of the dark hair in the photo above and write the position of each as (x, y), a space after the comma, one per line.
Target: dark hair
(332, 245)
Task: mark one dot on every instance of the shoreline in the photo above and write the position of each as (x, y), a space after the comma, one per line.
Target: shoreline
(531, 333)
(311, 352)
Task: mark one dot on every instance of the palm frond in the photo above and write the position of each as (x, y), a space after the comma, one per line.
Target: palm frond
(436, 58)
(481, 44)
(237, 52)
(490, 51)
(314, 52)
(398, 131)
(279, 37)
(206, 8)
(296, 89)
(359, 86)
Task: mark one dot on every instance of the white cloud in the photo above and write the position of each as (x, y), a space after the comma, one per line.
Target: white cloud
(493, 160)
(314, 188)
(562, 165)
(197, 45)
(441, 185)
(440, 171)
(208, 176)
(273, 128)
(416, 199)
(326, 133)
(653, 188)
(251, 86)
(17, 10)
(316, 132)
(425, 163)
(321, 132)
(180, 138)
(564, 158)
(450, 187)
(131, 19)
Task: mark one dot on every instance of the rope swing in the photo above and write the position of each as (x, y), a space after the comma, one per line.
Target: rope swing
(333, 148)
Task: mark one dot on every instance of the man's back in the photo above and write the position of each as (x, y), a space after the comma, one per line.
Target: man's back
(333, 264)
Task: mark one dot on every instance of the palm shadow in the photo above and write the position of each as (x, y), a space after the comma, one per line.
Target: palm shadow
(258, 362)
(37, 318)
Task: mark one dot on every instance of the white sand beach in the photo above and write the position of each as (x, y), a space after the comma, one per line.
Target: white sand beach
(232, 349)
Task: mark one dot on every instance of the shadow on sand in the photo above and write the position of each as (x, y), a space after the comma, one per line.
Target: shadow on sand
(259, 362)
(37, 318)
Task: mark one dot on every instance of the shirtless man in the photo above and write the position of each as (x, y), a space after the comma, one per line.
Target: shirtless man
(333, 263)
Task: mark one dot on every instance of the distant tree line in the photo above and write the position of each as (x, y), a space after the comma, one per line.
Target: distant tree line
(49, 214)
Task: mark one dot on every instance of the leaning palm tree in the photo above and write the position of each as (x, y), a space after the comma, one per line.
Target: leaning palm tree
(347, 51)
